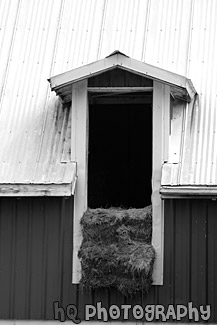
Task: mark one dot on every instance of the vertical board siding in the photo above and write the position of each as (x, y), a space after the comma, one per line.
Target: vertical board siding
(211, 256)
(35, 256)
(189, 244)
(36, 259)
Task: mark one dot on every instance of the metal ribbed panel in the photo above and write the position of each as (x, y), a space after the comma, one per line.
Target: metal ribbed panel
(34, 127)
(36, 259)
(124, 27)
(200, 168)
(43, 38)
(79, 34)
(168, 35)
(35, 252)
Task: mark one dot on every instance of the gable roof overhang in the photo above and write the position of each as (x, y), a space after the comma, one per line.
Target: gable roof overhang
(181, 86)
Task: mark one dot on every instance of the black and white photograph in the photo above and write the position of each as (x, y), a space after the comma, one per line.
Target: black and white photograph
(108, 162)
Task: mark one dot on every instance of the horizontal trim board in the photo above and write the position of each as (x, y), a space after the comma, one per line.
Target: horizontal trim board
(37, 189)
(81, 73)
(187, 191)
(120, 100)
(126, 63)
(119, 89)
(192, 197)
(154, 73)
(67, 95)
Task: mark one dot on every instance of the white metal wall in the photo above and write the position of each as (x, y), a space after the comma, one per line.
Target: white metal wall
(45, 37)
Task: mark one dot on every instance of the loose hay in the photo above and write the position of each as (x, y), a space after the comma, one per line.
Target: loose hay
(116, 250)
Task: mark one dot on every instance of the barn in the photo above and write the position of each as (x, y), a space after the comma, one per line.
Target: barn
(107, 103)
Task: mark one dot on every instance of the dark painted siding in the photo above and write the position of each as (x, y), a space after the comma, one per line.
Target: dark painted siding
(119, 78)
(35, 255)
(36, 258)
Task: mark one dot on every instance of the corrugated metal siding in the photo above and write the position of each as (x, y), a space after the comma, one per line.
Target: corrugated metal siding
(43, 38)
(42, 155)
(36, 258)
(34, 127)
(203, 65)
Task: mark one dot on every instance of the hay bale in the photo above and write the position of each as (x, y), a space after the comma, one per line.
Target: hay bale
(116, 250)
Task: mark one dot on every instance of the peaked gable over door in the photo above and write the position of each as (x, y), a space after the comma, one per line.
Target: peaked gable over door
(75, 85)
(180, 85)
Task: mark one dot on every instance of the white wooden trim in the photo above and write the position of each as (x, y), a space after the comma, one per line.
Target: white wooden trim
(166, 121)
(124, 62)
(79, 152)
(22, 190)
(152, 72)
(83, 72)
(189, 191)
(161, 107)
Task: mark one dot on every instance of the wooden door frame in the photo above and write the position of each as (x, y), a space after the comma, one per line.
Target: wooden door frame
(79, 154)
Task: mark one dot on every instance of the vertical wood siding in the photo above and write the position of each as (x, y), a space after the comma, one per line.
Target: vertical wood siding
(36, 258)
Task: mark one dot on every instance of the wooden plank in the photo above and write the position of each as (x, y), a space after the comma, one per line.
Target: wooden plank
(79, 154)
(119, 89)
(188, 191)
(35, 190)
(83, 72)
(157, 230)
(166, 121)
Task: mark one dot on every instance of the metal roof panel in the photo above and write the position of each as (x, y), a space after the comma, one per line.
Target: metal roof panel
(44, 38)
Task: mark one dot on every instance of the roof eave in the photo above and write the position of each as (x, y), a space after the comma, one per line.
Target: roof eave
(126, 63)
(37, 189)
(189, 191)
(83, 72)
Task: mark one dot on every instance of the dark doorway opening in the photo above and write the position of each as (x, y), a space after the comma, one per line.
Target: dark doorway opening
(120, 155)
